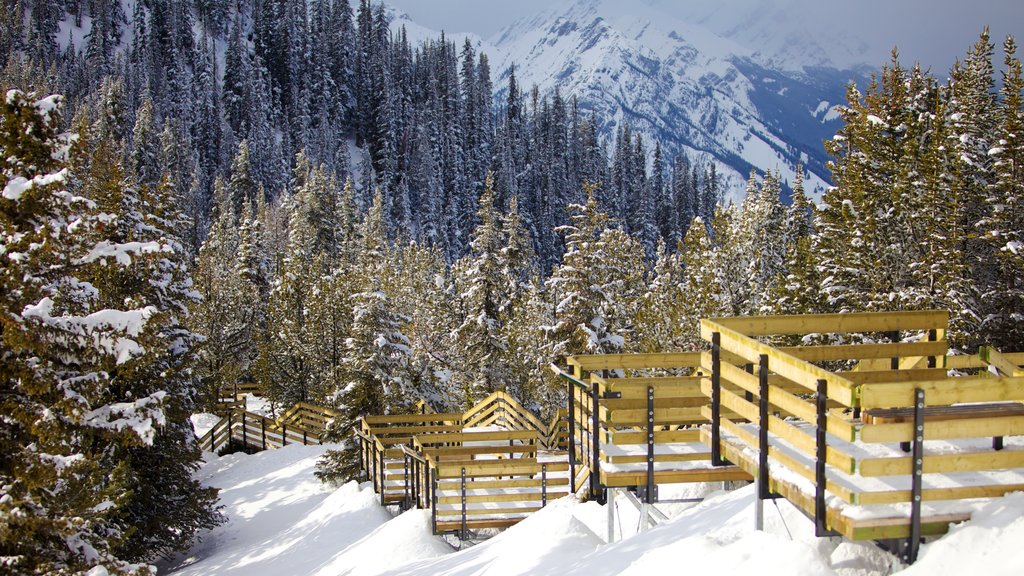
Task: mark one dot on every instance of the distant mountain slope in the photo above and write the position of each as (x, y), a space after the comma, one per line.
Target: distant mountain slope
(682, 83)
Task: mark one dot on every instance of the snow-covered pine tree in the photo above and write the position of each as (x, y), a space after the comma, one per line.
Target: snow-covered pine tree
(82, 381)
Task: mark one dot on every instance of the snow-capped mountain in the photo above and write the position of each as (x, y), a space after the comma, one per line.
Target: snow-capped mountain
(682, 82)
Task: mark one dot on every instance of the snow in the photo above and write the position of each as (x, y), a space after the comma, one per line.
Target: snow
(121, 253)
(99, 328)
(283, 521)
(16, 187)
(203, 422)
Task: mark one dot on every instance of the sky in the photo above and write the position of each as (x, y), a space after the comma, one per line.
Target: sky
(932, 32)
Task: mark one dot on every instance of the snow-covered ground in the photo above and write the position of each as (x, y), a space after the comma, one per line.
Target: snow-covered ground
(281, 520)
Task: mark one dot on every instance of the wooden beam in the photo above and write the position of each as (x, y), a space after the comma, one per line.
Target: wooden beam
(978, 428)
(888, 376)
(785, 365)
(591, 362)
(413, 418)
(836, 323)
(867, 351)
(948, 391)
(660, 436)
(943, 463)
(1000, 362)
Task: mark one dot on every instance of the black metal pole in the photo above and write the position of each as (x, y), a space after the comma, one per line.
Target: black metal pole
(650, 497)
(917, 458)
(544, 484)
(820, 478)
(432, 484)
(572, 436)
(762, 432)
(716, 400)
(463, 535)
(595, 442)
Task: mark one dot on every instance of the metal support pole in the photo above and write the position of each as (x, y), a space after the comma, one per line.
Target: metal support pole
(716, 400)
(383, 476)
(572, 437)
(997, 443)
(933, 335)
(543, 484)
(762, 429)
(595, 441)
(245, 437)
(650, 495)
(820, 460)
(463, 534)
(611, 514)
(284, 436)
(747, 394)
(263, 432)
(917, 459)
(406, 502)
(432, 484)
(894, 337)
(645, 516)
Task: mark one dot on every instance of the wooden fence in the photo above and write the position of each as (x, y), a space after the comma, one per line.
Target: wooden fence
(847, 445)
(302, 424)
(483, 468)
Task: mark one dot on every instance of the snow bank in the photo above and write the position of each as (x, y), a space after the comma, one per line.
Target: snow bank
(284, 521)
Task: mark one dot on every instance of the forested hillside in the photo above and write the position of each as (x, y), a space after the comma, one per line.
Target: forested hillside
(290, 194)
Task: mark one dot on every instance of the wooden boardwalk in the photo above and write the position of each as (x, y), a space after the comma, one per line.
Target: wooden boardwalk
(303, 423)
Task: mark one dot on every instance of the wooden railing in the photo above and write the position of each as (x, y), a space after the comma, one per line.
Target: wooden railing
(302, 424)
(859, 436)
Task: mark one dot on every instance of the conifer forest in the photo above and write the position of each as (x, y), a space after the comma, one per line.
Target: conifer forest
(290, 193)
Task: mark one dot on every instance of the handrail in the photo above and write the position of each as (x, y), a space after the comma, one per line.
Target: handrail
(563, 374)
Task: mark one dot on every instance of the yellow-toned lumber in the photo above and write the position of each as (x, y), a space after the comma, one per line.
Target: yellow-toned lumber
(791, 434)
(412, 430)
(860, 351)
(892, 376)
(413, 418)
(931, 494)
(975, 361)
(944, 463)
(441, 452)
(448, 513)
(715, 474)
(944, 413)
(786, 365)
(501, 484)
(661, 416)
(615, 404)
(1000, 362)
(664, 458)
(977, 428)
(481, 436)
(502, 498)
(948, 391)
(837, 323)
(593, 362)
(498, 468)
(476, 524)
(626, 437)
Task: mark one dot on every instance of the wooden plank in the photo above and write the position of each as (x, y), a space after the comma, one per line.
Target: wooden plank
(975, 361)
(443, 512)
(501, 498)
(1001, 362)
(479, 524)
(716, 474)
(785, 365)
(441, 452)
(414, 418)
(481, 436)
(887, 376)
(663, 458)
(625, 437)
(944, 463)
(943, 413)
(412, 430)
(862, 351)
(591, 362)
(660, 402)
(662, 416)
(836, 323)
(959, 390)
(903, 432)
(476, 468)
(932, 494)
(501, 484)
